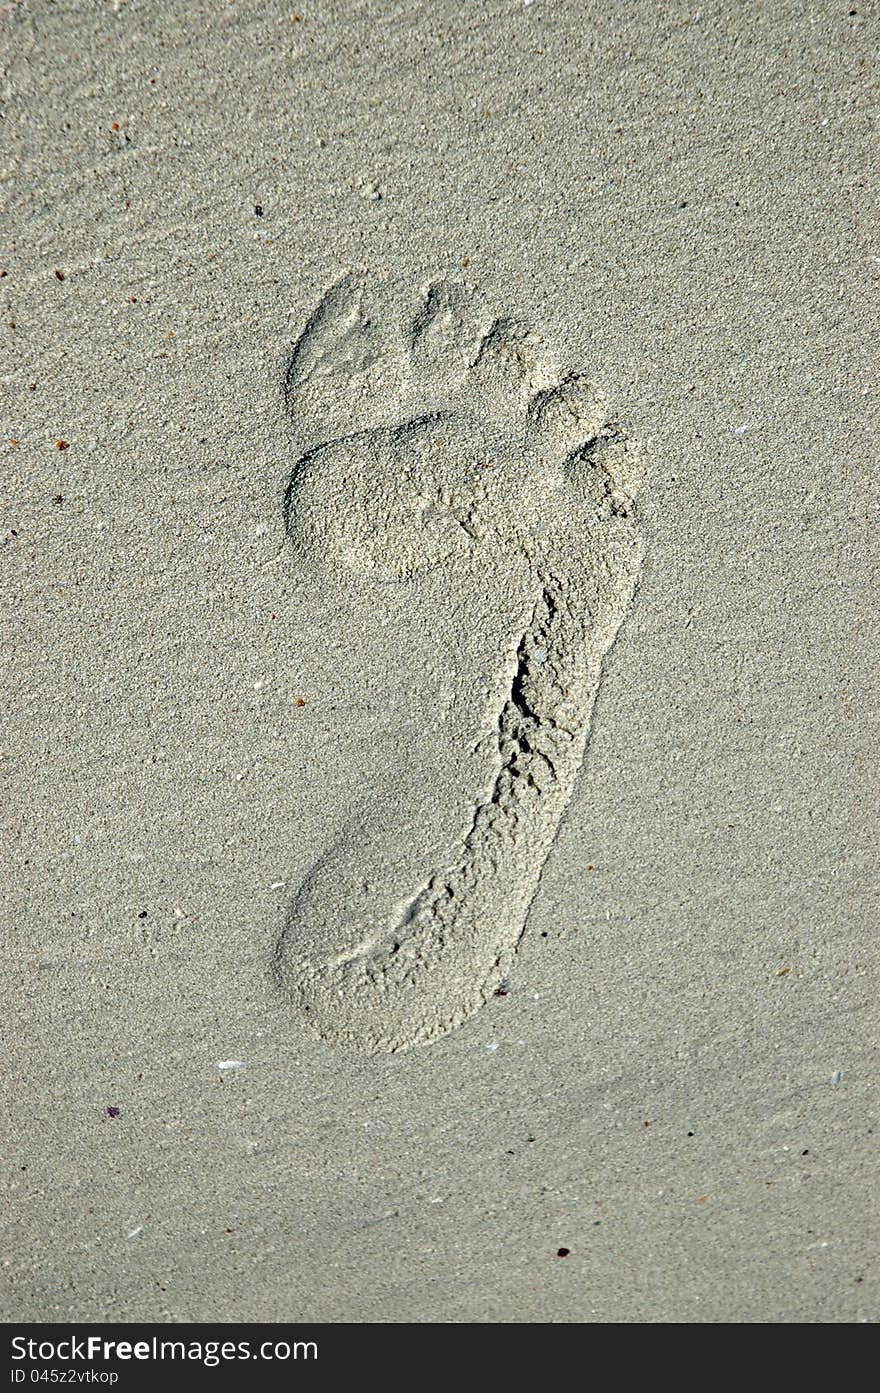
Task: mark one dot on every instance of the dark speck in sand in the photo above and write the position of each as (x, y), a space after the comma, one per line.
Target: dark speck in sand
(112, 1112)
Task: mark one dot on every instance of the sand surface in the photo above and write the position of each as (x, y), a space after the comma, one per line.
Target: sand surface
(205, 713)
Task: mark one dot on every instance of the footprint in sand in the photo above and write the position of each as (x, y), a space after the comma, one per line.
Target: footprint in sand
(444, 452)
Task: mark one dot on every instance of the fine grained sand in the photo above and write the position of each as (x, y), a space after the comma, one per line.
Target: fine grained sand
(675, 1082)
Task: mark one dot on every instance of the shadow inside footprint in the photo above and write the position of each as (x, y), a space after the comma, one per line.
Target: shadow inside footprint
(443, 450)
